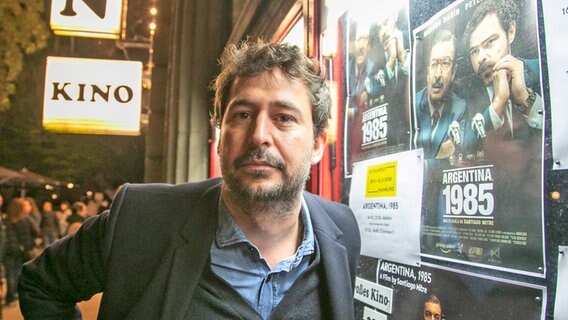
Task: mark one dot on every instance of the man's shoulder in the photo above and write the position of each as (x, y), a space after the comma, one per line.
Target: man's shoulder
(421, 93)
(531, 63)
(458, 104)
(333, 209)
(161, 198)
(171, 189)
(532, 73)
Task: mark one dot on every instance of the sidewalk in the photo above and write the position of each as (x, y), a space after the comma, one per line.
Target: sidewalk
(89, 309)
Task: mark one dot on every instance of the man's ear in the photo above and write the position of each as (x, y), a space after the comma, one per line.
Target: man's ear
(512, 31)
(320, 142)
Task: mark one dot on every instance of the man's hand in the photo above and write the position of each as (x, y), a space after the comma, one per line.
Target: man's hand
(400, 51)
(502, 93)
(391, 49)
(363, 99)
(515, 70)
(447, 149)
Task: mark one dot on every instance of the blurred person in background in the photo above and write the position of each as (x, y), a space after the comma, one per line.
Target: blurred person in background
(32, 212)
(49, 226)
(20, 243)
(79, 212)
(62, 214)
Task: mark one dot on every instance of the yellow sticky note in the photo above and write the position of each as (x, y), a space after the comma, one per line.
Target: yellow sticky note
(381, 180)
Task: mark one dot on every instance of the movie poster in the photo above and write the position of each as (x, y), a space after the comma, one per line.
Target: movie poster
(394, 291)
(377, 60)
(556, 24)
(479, 114)
(560, 307)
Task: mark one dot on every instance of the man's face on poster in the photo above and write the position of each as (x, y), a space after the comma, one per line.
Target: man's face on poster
(386, 27)
(440, 72)
(432, 311)
(361, 47)
(488, 43)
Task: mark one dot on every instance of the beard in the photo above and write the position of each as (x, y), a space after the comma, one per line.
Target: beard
(485, 72)
(264, 198)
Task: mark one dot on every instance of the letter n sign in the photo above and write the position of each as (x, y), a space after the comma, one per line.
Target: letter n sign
(87, 18)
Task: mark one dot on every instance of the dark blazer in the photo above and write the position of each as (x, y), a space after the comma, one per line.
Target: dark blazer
(148, 252)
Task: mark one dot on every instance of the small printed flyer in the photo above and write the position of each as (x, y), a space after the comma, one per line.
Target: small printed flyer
(385, 197)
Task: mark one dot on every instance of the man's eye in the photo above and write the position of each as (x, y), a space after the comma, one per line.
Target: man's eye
(243, 115)
(285, 118)
(473, 52)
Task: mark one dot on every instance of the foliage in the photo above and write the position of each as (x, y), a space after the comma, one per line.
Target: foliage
(23, 31)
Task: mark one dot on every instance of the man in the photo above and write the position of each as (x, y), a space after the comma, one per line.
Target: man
(49, 225)
(252, 246)
(505, 96)
(441, 119)
(512, 84)
(395, 45)
(364, 87)
(432, 308)
(437, 106)
(395, 65)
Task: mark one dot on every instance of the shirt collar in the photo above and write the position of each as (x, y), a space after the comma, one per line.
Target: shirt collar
(432, 109)
(229, 232)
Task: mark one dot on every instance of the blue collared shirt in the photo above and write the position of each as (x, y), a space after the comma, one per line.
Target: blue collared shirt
(237, 261)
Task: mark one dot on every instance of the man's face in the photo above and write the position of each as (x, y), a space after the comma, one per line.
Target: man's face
(386, 28)
(432, 311)
(440, 72)
(361, 47)
(489, 43)
(47, 206)
(27, 209)
(267, 143)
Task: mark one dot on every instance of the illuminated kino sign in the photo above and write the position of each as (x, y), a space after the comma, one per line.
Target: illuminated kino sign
(92, 96)
(87, 18)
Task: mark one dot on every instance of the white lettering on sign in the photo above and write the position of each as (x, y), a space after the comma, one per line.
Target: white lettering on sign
(469, 192)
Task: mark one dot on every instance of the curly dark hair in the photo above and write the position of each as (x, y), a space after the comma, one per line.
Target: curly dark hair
(251, 58)
(506, 10)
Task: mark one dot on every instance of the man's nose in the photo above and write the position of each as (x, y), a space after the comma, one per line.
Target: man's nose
(482, 55)
(261, 129)
(438, 71)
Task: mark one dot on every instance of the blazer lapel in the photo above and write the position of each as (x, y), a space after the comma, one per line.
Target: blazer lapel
(425, 124)
(190, 257)
(441, 131)
(334, 260)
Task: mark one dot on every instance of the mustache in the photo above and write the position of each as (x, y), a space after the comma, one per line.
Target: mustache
(437, 84)
(260, 155)
(483, 67)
